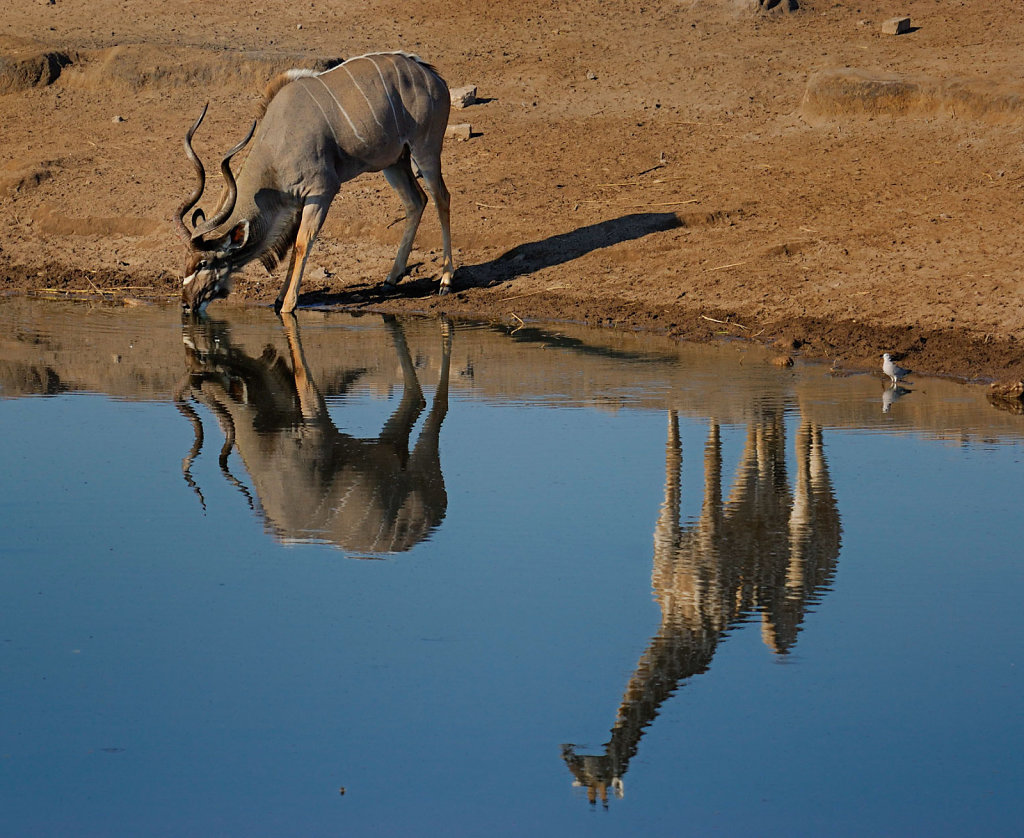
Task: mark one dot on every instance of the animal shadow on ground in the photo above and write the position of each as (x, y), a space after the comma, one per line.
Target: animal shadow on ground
(521, 260)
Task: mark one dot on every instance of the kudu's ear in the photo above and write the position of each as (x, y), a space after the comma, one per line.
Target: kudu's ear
(238, 235)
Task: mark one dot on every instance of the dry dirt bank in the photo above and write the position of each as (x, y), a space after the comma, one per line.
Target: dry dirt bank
(664, 166)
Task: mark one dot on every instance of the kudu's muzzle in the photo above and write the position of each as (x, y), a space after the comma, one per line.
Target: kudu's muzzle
(202, 287)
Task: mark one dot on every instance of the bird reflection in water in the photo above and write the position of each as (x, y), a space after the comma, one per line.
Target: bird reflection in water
(767, 549)
(311, 481)
(892, 394)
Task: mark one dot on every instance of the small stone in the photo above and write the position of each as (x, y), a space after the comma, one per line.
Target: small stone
(896, 26)
(463, 97)
(117, 119)
(1008, 389)
(462, 131)
(591, 75)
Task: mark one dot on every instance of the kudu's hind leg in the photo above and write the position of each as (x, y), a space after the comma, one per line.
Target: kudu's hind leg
(398, 428)
(430, 168)
(426, 454)
(312, 219)
(403, 181)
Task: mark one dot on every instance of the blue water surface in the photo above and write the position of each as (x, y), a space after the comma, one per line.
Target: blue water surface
(177, 661)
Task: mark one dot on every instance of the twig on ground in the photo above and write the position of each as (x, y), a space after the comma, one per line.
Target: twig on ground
(78, 291)
(607, 202)
(730, 265)
(652, 169)
(727, 323)
(648, 183)
(94, 290)
(531, 293)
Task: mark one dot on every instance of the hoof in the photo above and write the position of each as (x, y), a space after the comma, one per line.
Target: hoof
(444, 289)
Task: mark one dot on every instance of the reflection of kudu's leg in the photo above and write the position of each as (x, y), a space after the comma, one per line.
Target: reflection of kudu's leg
(666, 531)
(427, 449)
(810, 502)
(799, 519)
(711, 512)
(399, 426)
(311, 402)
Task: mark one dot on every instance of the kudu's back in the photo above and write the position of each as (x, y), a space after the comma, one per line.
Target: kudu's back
(319, 130)
(370, 106)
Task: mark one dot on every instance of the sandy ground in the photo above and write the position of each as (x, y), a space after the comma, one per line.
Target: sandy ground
(692, 168)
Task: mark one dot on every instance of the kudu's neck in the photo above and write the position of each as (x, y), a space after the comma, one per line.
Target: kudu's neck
(271, 212)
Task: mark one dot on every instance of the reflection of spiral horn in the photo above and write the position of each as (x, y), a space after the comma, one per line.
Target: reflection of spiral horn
(227, 425)
(186, 410)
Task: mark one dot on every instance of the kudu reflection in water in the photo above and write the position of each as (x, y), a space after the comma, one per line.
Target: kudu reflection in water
(766, 549)
(310, 480)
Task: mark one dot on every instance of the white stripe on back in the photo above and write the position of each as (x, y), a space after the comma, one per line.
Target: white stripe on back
(326, 118)
(387, 91)
(369, 104)
(344, 113)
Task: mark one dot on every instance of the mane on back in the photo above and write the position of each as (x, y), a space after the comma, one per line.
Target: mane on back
(410, 55)
(281, 79)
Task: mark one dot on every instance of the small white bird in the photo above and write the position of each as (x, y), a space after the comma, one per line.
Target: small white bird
(894, 372)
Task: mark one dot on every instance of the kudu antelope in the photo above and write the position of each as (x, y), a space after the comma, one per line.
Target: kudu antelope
(379, 112)
(310, 480)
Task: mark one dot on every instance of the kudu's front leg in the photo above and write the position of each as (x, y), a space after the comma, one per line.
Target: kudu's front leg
(312, 219)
